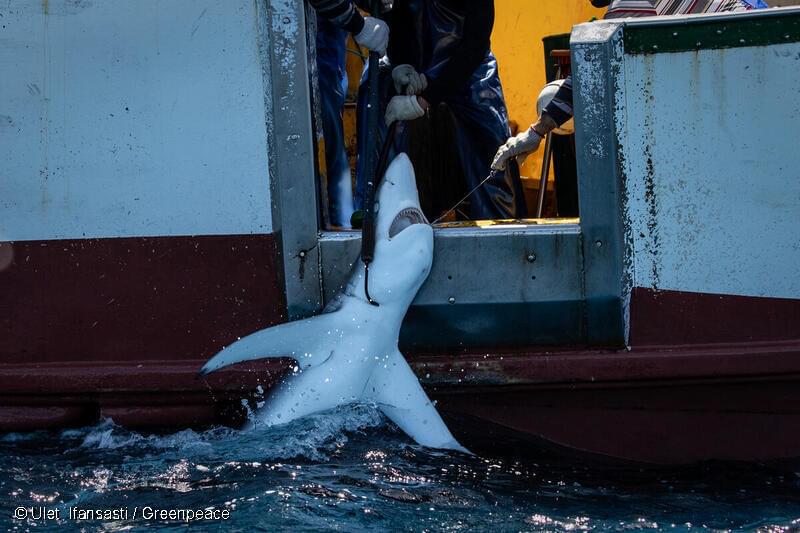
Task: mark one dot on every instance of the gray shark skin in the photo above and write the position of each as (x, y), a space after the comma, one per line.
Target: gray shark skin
(350, 352)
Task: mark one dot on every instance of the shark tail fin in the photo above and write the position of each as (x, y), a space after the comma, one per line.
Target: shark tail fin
(303, 340)
(397, 391)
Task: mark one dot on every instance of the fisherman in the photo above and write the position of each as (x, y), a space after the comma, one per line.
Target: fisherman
(444, 70)
(559, 110)
(336, 19)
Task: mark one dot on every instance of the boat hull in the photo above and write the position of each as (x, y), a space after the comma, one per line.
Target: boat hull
(654, 406)
(663, 422)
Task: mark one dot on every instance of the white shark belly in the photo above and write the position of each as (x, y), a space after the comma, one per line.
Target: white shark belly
(316, 389)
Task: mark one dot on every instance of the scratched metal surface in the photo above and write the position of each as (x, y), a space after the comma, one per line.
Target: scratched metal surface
(712, 168)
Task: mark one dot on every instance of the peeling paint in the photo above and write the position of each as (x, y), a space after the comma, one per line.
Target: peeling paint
(652, 217)
(708, 195)
(703, 202)
(593, 84)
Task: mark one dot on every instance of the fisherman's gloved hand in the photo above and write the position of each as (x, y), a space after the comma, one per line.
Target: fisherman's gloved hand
(403, 108)
(522, 145)
(408, 81)
(374, 36)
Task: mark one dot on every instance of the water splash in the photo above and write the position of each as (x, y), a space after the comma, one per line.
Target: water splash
(313, 437)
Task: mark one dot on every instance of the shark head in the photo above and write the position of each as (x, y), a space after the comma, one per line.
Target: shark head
(403, 238)
(402, 261)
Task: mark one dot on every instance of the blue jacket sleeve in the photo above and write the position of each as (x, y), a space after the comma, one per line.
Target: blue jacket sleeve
(342, 13)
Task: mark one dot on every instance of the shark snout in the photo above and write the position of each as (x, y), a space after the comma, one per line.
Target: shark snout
(398, 200)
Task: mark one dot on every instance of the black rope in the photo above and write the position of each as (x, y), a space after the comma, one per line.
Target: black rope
(373, 118)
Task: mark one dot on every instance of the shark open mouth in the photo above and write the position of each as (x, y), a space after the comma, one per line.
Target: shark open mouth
(405, 218)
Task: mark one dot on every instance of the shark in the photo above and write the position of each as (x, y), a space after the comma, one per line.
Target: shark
(349, 353)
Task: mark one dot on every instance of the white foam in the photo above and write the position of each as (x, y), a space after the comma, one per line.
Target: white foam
(313, 437)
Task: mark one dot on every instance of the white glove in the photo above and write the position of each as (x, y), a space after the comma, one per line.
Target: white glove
(387, 4)
(406, 77)
(403, 108)
(374, 36)
(522, 145)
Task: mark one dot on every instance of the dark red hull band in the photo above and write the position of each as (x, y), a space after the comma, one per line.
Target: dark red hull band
(152, 394)
(136, 299)
(660, 422)
(666, 406)
(664, 318)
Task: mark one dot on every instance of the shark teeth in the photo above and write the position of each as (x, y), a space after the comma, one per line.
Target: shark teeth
(405, 218)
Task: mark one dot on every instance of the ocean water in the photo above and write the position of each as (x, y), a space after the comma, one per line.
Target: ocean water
(351, 470)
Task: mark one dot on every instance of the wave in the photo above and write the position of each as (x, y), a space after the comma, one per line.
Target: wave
(313, 437)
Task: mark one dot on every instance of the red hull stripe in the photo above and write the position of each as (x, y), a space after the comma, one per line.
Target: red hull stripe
(135, 299)
(665, 318)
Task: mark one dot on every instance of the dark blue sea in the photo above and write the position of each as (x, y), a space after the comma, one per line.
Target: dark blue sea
(350, 470)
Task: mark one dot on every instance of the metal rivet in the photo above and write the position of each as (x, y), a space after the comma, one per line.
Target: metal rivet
(655, 47)
(531, 257)
(599, 244)
(302, 254)
(674, 34)
(286, 20)
(451, 300)
(742, 41)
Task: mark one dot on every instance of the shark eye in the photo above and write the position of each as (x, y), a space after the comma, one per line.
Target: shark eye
(405, 218)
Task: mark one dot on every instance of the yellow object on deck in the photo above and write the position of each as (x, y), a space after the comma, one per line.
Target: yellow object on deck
(517, 43)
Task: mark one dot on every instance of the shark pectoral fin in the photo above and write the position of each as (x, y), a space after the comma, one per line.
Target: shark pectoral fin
(397, 391)
(307, 341)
